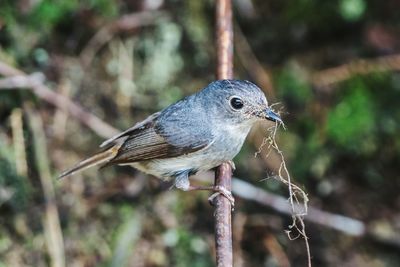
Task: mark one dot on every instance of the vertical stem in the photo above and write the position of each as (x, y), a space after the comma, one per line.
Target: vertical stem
(223, 174)
(223, 219)
(224, 35)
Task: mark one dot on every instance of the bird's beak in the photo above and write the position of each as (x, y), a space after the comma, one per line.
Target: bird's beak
(272, 116)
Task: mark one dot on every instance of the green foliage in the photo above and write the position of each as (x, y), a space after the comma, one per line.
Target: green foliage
(188, 249)
(159, 52)
(104, 8)
(352, 10)
(48, 13)
(351, 123)
(292, 86)
(16, 189)
(198, 30)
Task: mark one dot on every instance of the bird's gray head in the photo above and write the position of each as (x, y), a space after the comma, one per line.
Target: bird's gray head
(239, 101)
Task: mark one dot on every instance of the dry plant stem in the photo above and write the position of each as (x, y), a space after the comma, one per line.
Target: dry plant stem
(223, 174)
(51, 222)
(297, 197)
(60, 117)
(19, 142)
(18, 80)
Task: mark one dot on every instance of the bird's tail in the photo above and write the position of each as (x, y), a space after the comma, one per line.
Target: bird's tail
(99, 158)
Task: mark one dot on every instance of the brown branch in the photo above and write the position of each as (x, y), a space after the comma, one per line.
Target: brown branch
(223, 175)
(224, 38)
(223, 218)
(35, 82)
(344, 72)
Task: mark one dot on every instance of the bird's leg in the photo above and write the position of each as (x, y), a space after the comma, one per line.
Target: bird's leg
(182, 182)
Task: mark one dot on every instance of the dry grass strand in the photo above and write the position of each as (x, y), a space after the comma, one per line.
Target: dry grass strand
(298, 199)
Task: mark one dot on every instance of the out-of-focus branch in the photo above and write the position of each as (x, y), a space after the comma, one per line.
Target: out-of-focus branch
(253, 66)
(7, 70)
(338, 222)
(275, 249)
(106, 33)
(330, 220)
(280, 204)
(35, 82)
(327, 77)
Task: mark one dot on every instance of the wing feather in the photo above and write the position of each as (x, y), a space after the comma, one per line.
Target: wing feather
(147, 140)
(135, 127)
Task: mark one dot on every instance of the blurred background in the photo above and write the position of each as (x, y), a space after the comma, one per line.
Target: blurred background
(73, 72)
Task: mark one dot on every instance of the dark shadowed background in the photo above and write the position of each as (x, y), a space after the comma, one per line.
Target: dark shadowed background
(332, 67)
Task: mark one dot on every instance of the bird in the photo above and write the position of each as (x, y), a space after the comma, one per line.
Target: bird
(195, 134)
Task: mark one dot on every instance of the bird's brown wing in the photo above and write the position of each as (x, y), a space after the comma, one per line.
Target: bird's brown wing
(150, 141)
(135, 127)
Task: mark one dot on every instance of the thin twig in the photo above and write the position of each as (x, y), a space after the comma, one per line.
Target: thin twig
(223, 175)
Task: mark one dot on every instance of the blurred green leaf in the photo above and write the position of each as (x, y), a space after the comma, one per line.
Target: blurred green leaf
(352, 10)
(293, 86)
(48, 13)
(351, 123)
(189, 251)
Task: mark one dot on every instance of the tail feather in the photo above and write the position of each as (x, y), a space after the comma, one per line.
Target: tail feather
(99, 158)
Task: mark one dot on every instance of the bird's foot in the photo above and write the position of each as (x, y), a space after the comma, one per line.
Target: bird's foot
(220, 190)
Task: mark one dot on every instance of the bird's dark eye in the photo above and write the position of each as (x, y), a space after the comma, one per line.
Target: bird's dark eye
(236, 103)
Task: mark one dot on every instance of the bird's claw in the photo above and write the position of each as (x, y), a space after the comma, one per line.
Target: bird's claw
(220, 190)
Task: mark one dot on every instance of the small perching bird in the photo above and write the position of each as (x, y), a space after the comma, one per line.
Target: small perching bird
(195, 134)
